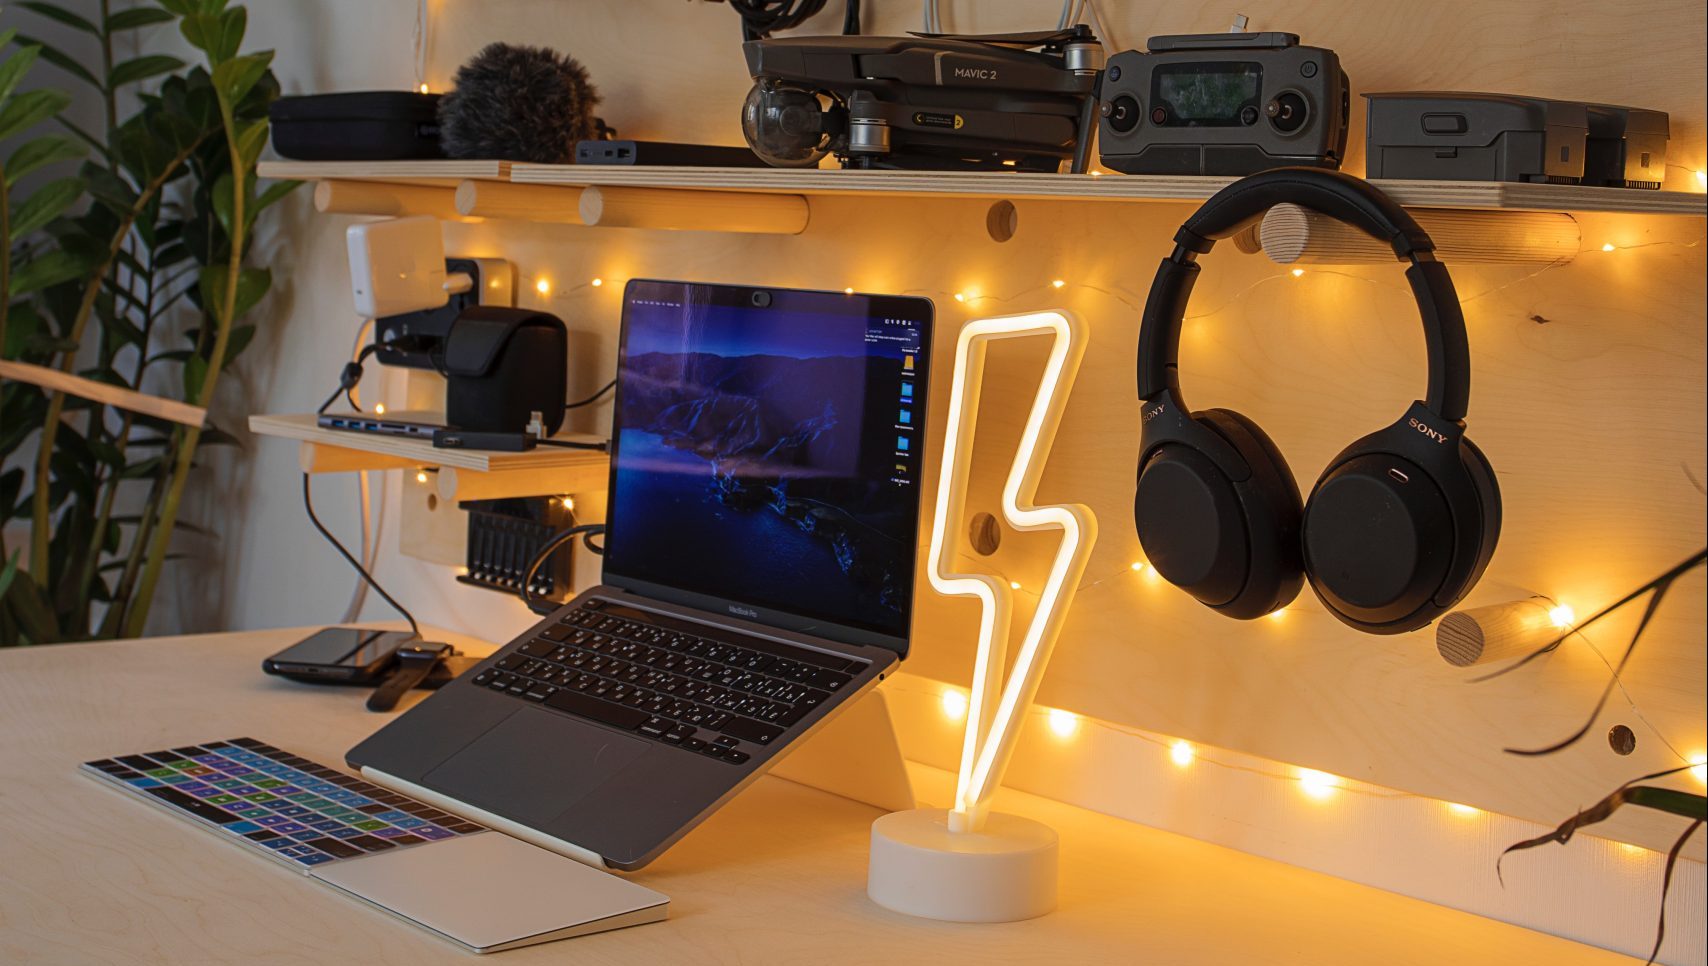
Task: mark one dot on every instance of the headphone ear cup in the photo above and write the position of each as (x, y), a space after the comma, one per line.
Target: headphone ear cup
(1273, 512)
(1231, 543)
(1392, 542)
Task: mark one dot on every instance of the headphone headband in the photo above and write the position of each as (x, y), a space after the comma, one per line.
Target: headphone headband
(1351, 201)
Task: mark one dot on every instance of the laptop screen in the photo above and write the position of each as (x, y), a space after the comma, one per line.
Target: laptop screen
(766, 454)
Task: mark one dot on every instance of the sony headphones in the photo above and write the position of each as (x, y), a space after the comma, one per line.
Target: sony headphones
(1398, 527)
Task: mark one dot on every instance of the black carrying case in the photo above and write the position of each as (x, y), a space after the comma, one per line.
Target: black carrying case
(357, 126)
(501, 365)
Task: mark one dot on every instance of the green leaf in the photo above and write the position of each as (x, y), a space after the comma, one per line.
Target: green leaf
(7, 575)
(7, 35)
(48, 270)
(239, 340)
(218, 34)
(252, 284)
(234, 78)
(31, 609)
(195, 374)
(55, 12)
(62, 60)
(14, 68)
(31, 108)
(251, 141)
(221, 197)
(39, 153)
(47, 203)
(142, 68)
(275, 192)
(137, 17)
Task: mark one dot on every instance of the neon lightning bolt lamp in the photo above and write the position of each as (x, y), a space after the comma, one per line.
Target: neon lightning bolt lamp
(966, 864)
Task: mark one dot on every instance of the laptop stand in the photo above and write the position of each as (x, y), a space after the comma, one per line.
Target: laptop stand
(856, 755)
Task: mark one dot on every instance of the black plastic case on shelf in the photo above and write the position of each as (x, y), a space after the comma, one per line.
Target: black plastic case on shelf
(1461, 136)
(357, 126)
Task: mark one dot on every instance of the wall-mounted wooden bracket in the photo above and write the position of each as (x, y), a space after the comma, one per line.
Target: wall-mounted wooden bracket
(1482, 635)
(675, 209)
(458, 485)
(1292, 235)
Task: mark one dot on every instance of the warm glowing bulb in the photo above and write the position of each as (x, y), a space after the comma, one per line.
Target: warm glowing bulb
(420, 476)
(1063, 723)
(423, 87)
(1607, 247)
(1699, 767)
(568, 502)
(1014, 585)
(1138, 565)
(379, 409)
(1317, 784)
(1182, 753)
(1058, 283)
(1702, 178)
(954, 704)
(1562, 616)
(597, 282)
(1277, 614)
(1298, 272)
(960, 296)
(1096, 174)
(848, 291)
(1463, 810)
(543, 287)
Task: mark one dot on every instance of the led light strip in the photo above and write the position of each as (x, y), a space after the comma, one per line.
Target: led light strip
(994, 705)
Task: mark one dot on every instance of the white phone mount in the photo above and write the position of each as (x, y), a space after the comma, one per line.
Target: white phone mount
(398, 266)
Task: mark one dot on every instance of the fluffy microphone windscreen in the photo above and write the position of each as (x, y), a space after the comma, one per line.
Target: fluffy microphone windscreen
(515, 103)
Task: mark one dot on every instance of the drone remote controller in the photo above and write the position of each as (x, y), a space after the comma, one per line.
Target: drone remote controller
(1223, 104)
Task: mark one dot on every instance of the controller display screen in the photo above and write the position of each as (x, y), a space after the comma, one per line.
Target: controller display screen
(1206, 94)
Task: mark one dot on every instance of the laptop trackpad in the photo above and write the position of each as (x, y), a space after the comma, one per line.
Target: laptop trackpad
(533, 765)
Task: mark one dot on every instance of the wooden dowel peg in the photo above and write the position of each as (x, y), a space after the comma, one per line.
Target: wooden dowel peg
(520, 202)
(679, 210)
(1294, 235)
(1497, 632)
(386, 200)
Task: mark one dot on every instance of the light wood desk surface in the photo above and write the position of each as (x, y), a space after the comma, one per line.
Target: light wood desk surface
(777, 877)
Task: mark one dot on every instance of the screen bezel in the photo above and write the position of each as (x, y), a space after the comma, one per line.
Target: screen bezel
(920, 311)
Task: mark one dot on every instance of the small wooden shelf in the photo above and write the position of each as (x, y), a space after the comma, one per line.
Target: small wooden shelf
(463, 474)
(1480, 195)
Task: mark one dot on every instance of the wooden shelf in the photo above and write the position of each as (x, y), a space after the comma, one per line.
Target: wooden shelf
(1481, 195)
(443, 173)
(463, 474)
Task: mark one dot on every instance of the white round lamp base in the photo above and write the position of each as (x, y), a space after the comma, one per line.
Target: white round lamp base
(1001, 873)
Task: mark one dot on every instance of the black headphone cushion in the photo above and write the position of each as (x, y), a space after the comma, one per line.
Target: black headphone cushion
(1488, 497)
(1272, 505)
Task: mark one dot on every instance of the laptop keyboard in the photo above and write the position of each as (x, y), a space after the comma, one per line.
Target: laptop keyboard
(647, 674)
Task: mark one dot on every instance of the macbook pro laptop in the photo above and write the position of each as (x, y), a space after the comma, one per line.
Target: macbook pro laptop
(758, 576)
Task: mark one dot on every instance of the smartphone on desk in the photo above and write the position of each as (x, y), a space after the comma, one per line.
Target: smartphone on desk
(340, 655)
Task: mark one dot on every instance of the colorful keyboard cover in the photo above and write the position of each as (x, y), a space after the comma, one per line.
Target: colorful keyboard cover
(281, 805)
